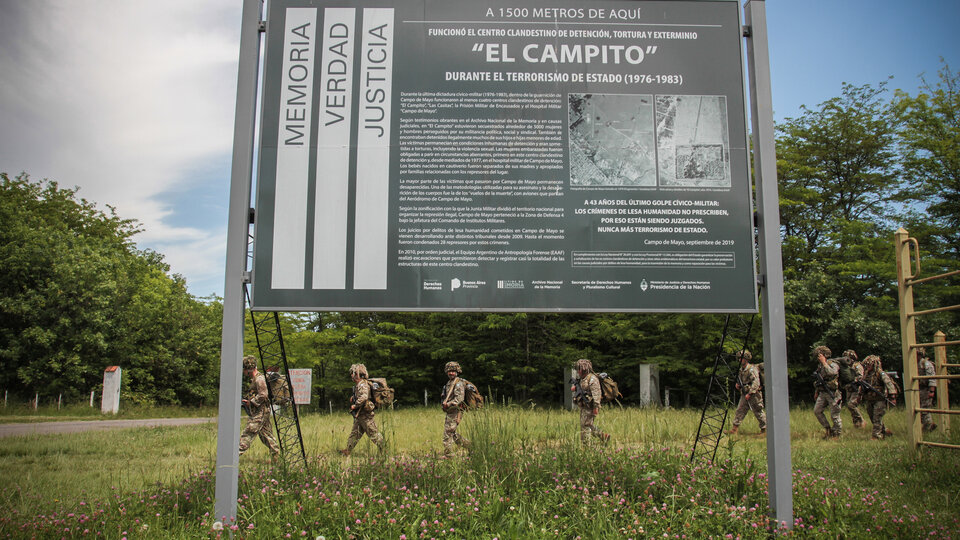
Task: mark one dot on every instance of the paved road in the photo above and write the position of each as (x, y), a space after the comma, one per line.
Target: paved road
(46, 428)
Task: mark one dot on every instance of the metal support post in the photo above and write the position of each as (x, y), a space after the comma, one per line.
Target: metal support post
(771, 267)
(241, 174)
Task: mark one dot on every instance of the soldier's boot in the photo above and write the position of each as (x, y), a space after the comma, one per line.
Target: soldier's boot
(827, 434)
(859, 424)
(733, 430)
(345, 453)
(874, 437)
(763, 430)
(887, 432)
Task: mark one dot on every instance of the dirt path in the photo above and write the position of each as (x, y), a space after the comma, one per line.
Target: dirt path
(48, 428)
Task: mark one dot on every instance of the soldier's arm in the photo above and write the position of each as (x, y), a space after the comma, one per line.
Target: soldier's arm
(831, 368)
(363, 394)
(458, 393)
(595, 393)
(260, 396)
(754, 386)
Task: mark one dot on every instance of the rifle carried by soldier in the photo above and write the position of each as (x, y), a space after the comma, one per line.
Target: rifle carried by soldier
(821, 384)
(869, 387)
(578, 393)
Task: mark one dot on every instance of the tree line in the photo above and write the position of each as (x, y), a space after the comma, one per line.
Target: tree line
(79, 296)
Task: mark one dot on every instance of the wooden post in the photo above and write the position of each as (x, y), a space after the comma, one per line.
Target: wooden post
(91, 398)
(59, 401)
(425, 397)
(908, 336)
(36, 400)
(330, 403)
(943, 395)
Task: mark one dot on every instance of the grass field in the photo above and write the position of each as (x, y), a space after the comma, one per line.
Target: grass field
(525, 477)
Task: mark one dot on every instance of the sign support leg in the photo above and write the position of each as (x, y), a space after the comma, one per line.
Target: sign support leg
(241, 174)
(771, 267)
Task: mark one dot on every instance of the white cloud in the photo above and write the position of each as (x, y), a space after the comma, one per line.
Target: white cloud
(124, 100)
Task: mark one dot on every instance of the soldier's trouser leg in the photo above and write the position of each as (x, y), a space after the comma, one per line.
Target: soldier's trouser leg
(355, 433)
(252, 429)
(756, 403)
(742, 407)
(369, 426)
(266, 435)
(824, 402)
(876, 410)
(926, 402)
(450, 436)
(586, 426)
(853, 405)
(364, 423)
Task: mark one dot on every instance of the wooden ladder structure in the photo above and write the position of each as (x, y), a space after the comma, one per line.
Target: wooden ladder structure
(908, 276)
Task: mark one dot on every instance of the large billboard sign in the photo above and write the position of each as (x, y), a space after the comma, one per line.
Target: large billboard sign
(468, 155)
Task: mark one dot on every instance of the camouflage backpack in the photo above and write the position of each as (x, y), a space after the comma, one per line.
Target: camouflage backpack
(380, 393)
(279, 389)
(846, 374)
(471, 396)
(609, 389)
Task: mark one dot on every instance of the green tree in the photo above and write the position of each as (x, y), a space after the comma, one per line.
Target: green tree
(837, 164)
(931, 149)
(78, 296)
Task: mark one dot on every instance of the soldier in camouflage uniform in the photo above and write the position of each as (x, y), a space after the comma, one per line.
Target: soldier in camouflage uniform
(452, 404)
(875, 404)
(928, 388)
(257, 402)
(361, 406)
(829, 371)
(588, 394)
(751, 397)
(852, 390)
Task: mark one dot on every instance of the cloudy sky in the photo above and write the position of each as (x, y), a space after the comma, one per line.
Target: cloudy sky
(133, 101)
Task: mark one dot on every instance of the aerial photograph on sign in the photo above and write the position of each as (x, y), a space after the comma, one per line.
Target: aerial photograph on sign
(611, 140)
(692, 140)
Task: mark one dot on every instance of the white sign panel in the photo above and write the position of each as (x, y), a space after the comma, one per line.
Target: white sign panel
(302, 381)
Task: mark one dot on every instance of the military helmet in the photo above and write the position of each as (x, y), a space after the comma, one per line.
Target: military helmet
(584, 365)
(872, 362)
(822, 349)
(359, 370)
(851, 354)
(249, 362)
(744, 354)
(452, 366)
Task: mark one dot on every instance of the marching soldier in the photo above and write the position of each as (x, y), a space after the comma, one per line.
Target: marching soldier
(827, 392)
(588, 394)
(928, 388)
(361, 406)
(751, 397)
(257, 402)
(852, 390)
(452, 403)
(876, 402)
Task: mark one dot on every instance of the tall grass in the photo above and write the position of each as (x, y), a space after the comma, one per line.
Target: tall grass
(526, 476)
